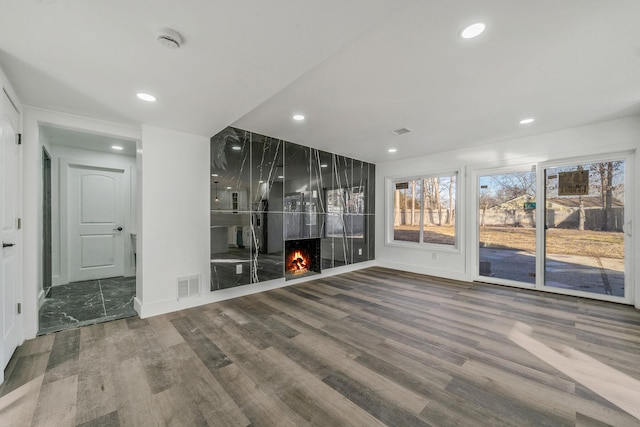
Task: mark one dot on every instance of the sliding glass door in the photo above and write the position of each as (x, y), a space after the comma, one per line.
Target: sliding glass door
(565, 228)
(506, 212)
(584, 235)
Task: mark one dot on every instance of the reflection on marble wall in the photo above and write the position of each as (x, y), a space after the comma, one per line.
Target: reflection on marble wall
(265, 191)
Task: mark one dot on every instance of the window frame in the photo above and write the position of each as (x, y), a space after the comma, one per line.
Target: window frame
(390, 211)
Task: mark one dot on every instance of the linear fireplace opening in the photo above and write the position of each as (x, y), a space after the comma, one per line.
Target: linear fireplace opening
(302, 258)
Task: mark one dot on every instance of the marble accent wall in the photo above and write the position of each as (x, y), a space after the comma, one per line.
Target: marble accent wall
(265, 191)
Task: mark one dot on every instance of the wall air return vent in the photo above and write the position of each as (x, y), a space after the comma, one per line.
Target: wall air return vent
(189, 286)
(400, 131)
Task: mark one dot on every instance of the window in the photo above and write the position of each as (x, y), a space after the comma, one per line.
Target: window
(424, 210)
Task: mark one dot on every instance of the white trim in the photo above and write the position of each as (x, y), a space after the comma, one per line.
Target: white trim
(428, 271)
(170, 305)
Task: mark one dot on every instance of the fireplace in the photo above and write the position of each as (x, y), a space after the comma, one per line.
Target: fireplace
(302, 258)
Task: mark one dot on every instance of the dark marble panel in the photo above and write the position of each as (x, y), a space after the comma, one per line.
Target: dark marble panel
(321, 176)
(268, 248)
(224, 268)
(267, 170)
(297, 160)
(371, 230)
(230, 170)
(342, 170)
(318, 193)
(371, 189)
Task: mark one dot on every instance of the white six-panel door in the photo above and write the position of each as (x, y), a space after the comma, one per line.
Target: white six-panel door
(95, 213)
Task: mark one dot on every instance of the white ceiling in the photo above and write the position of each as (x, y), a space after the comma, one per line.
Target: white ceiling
(356, 68)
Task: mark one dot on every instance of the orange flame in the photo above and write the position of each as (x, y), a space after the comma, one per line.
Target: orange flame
(297, 263)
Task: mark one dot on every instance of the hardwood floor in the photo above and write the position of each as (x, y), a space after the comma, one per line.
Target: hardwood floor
(368, 348)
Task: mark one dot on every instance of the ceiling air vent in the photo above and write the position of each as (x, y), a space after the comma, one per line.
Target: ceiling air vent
(400, 131)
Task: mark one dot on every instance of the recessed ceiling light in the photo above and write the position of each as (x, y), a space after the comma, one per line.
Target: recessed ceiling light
(472, 31)
(236, 147)
(228, 188)
(324, 166)
(261, 182)
(527, 121)
(392, 150)
(214, 174)
(298, 117)
(281, 176)
(117, 147)
(146, 97)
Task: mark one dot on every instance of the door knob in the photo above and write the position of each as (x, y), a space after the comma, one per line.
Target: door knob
(118, 229)
(7, 245)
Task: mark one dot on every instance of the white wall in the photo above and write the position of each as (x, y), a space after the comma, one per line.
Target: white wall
(600, 138)
(173, 236)
(97, 158)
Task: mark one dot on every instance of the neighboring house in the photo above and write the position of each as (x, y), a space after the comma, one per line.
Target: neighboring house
(515, 203)
(564, 212)
(573, 203)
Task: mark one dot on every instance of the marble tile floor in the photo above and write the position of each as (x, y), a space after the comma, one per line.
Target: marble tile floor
(86, 303)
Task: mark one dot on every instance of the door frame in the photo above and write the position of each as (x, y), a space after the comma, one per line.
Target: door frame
(629, 214)
(47, 235)
(65, 164)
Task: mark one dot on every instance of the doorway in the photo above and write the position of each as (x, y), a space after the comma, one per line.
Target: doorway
(93, 201)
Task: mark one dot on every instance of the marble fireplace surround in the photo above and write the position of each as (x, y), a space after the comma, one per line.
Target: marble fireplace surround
(265, 191)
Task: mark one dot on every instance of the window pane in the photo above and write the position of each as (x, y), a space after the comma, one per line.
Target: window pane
(507, 229)
(407, 205)
(439, 195)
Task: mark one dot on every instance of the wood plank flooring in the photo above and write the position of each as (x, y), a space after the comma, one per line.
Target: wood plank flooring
(368, 348)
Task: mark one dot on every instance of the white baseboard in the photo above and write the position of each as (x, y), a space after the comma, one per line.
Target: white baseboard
(40, 298)
(437, 272)
(168, 306)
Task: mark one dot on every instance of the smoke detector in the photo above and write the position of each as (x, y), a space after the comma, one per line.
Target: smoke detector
(169, 38)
